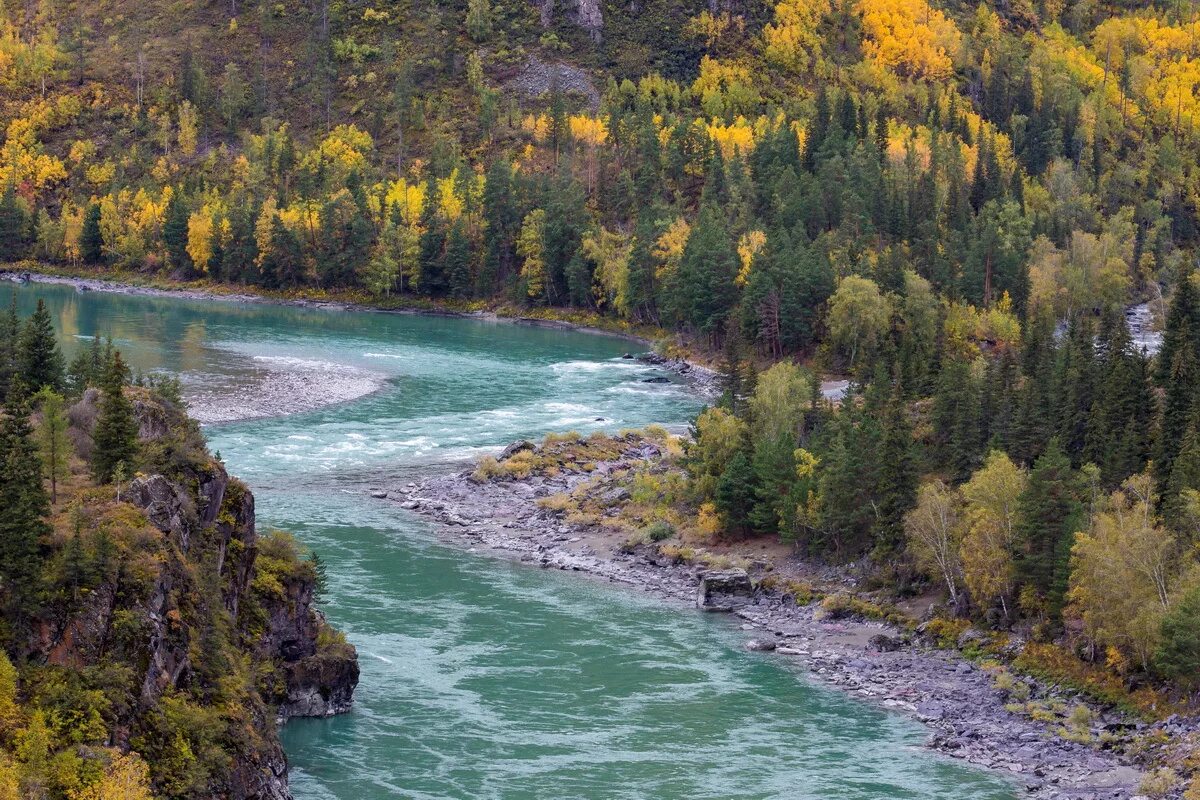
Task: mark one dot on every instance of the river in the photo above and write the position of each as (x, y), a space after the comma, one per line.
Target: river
(483, 678)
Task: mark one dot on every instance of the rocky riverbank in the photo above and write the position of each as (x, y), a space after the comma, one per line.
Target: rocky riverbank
(958, 700)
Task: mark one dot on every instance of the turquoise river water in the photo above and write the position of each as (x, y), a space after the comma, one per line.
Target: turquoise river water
(483, 678)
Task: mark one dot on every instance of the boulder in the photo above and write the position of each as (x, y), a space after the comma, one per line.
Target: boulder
(514, 448)
(724, 590)
(764, 645)
(657, 379)
(886, 644)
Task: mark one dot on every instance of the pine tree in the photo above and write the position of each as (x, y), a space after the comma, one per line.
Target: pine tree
(23, 510)
(10, 331)
(40, 362)
(115, 436)
(897, 481)
(1179, 377)
(91, 239)
(14, 226)
(52, 438)
(1049, 510)
(175, 234)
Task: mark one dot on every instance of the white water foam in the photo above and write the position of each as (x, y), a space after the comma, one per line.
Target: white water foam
(282, 385)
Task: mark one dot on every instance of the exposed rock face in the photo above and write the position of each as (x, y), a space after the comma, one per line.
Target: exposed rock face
(537, 78)
(320, 685)
(584, 13)
(724, 590)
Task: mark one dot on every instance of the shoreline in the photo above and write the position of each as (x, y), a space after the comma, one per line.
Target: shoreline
(868, 660)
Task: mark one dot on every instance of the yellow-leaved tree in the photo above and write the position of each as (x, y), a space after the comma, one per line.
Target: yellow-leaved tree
(793, 40)
(934, 532)
(991, 517)
(909, 38)
(1125, 547)
(531, 247)
(609, 251)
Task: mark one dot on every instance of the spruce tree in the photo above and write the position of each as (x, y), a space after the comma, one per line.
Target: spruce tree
(39, 361)
(1179, 377)
(10, 331)
(1049, 511)
(175, 233)
(735, 495)
(91, 239)
(897, 482)
(457, 262)
(1178, 655)
(23, 510)
(14, 226)
(115, 436)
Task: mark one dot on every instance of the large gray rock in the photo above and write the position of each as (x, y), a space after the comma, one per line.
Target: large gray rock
(514, 448)
(724, 590)
(167, 506)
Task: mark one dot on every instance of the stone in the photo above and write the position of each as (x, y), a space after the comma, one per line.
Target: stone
(762, 645)
(657, 379)
(379, 495)
(723, 590)
(514, 448)
(886, 644)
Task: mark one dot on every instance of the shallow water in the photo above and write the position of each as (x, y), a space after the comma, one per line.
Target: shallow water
(481, 678)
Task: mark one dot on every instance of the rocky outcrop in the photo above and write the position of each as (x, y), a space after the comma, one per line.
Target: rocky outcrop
(320, 685)
(724, 590)
(584, 13)
(538, 78)
(170, 592)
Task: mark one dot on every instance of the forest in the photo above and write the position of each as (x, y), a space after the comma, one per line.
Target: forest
(952, 205)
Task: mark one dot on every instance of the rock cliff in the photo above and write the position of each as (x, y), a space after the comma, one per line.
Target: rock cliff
(210, 629)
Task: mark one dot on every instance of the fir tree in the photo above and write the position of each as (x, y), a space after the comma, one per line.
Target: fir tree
(175, 234)
(39, 360)
(14, 226)
(897, 477)
(115, 435)
(23, 510)
(1049, 511)
(91, 239)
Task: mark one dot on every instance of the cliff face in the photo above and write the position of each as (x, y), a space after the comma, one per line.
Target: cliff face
(212, 627)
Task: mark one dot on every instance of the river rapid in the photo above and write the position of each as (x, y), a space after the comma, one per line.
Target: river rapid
(483, 678)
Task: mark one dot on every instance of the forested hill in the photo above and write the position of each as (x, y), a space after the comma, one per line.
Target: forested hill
(688, 164)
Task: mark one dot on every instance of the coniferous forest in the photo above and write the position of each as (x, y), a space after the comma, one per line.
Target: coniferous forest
(955, 206)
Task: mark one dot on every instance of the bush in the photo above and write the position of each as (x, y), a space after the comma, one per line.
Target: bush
(660, 531)
(1158, 783)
